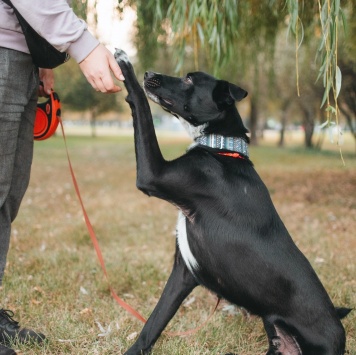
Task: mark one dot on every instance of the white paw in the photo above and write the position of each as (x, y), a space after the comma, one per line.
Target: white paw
(121, 56)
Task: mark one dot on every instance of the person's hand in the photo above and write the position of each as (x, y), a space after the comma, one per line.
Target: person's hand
(47, 78)
(97, 68)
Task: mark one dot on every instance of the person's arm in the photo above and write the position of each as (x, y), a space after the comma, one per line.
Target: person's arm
(56, 22)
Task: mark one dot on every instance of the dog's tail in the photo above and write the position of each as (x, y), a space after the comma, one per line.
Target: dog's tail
(342, 312)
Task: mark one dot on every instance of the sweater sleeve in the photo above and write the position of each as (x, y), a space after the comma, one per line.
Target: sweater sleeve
(57, 23)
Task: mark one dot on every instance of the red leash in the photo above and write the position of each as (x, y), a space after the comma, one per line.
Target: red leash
(121, 302)
(95, 242)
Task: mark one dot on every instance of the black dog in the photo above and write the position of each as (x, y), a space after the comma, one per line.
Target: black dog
(230, 238)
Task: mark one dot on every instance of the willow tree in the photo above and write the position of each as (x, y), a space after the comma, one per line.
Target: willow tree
(226, 32)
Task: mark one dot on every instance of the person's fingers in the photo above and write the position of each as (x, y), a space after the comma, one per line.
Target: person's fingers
(108, 84)
(97, 68)
(48, 86)
(47, 81)
(114, 67)
(41, 92)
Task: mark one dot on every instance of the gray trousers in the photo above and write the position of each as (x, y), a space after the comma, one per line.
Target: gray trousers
(18, 99)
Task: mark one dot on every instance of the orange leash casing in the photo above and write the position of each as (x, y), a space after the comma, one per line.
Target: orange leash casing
(47, 117)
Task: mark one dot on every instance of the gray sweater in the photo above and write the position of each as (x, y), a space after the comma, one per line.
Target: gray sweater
(52, 19)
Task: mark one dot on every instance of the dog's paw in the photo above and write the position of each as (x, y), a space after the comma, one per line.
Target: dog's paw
(121, 56)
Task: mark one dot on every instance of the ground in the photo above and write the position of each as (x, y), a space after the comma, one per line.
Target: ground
(55, 284)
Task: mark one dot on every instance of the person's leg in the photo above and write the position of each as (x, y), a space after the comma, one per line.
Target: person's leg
(18, 99)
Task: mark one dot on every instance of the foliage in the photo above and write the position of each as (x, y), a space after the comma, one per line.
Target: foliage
(80, 7)
(330, 14)
(211, 25)
(232, 36)
(230, 31)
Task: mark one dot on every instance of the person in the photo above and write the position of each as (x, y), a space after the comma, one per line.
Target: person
(19, 90)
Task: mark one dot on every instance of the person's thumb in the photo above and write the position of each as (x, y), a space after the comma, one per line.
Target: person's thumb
(115, 68)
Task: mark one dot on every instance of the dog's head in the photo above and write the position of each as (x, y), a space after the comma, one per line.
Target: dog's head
(204, 103)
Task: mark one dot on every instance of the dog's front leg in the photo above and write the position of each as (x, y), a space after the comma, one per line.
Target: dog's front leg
(179, 285)
(148, 154)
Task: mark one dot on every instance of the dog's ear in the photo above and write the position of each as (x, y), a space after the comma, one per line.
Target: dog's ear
(225, 94)
(236, 92)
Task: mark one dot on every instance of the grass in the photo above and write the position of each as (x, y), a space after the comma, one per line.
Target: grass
(54, 282)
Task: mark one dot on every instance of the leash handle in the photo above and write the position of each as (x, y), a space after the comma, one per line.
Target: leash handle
(94, 239)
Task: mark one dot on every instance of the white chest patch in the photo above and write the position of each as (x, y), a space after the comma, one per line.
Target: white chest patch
(183, 244)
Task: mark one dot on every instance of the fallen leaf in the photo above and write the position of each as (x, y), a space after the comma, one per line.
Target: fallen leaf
(189, 302)
(104, 332)
(132, 336)
(86, 311)
(83, 291)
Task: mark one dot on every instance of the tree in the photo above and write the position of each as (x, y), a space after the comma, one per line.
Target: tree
(231, 33)
(348, 95)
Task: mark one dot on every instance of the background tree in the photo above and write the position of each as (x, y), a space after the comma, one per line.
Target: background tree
(347, 63)
(220, 34)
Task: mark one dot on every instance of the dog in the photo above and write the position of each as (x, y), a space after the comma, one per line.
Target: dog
(230, 238)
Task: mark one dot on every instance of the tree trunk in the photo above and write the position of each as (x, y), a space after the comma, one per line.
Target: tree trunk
(255, 102)
(254, 120)
(308, 128)
(349, 121)
(284, 118)
(93, 114)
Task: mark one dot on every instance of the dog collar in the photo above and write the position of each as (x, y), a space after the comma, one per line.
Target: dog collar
(233, 144)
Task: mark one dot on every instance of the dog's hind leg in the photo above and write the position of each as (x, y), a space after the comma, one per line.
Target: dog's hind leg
(179, 285)
(280, 342)
(285, 344)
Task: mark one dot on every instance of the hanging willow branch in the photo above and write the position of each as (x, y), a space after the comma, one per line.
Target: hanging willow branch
(207, 23)
(221, 25)
(330, 15)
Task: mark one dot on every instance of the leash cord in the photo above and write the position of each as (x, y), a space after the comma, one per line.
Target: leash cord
(95, 242)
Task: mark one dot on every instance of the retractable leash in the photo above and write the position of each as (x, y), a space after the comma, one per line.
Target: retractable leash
(47, 117)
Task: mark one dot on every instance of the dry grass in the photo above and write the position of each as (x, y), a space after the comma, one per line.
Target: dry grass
(54, 282)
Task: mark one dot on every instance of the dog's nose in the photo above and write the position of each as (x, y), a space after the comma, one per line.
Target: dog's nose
(152, 80)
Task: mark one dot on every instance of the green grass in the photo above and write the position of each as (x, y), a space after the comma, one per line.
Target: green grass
(51, 260)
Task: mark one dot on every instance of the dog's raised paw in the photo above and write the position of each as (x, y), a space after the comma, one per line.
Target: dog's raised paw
(121, 56)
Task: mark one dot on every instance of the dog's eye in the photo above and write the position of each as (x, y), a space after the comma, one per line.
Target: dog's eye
(188, 80)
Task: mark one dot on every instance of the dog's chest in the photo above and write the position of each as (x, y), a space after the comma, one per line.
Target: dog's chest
(183, 243)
